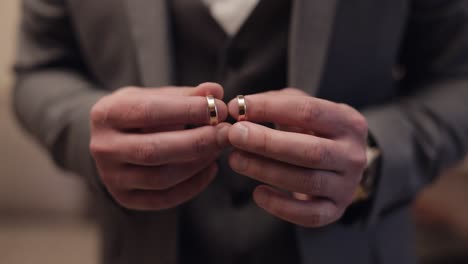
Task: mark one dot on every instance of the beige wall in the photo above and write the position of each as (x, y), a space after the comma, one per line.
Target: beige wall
(29, 183)
(8, 19)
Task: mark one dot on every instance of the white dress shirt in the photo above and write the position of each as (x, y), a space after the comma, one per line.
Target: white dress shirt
(231, 14)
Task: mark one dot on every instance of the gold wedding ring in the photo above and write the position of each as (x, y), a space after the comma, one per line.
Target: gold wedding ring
(242, 108)
(212, 110)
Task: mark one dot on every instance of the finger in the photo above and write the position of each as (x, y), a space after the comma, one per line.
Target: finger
(298, 149)
(141, 110)
(203, 89)
(294, 179)
(160, 148)
(322, 116)
(160, 200)
(314, 213)
(131, 177)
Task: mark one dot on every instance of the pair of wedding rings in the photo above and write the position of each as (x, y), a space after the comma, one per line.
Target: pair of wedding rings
(213, 111)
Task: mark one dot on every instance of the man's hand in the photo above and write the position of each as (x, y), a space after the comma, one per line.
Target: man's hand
(145, 157)
(319, 155)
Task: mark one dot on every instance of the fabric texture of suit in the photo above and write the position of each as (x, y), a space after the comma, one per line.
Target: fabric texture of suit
(223, 224)
(402, 63)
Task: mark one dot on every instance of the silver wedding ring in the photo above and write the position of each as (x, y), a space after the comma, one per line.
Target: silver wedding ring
(212, 110)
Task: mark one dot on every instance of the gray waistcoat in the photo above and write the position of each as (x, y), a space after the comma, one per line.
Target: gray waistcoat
(223, 224)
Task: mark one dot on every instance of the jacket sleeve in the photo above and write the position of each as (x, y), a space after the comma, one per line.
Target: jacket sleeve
(53, 92)
(426, 129)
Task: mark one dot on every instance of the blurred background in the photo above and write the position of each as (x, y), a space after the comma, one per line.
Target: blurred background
(44, 217)
(43, 212)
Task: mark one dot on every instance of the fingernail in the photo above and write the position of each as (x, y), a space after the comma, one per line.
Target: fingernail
(243, 132)
(260, 196)
(240, 162)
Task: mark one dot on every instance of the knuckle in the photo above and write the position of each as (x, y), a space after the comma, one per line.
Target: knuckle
(193, 113)
(147, 153)
(308, 111)
(143, 112)
(201, 144)
(265, 144)
(147, 113)
(314, 184)
(358, 160)
(317, 154)
(262, 110)
(312, 154)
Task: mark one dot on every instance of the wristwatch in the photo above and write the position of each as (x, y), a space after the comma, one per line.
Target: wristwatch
(367, 185)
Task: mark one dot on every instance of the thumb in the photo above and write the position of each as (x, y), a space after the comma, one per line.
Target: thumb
(208, 88)
(203, 89)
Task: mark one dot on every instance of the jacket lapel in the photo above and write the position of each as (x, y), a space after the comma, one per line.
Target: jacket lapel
(311, 28)
(149, 26)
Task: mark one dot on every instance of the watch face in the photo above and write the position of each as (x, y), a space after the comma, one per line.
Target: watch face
(367, 184)
(372, 154)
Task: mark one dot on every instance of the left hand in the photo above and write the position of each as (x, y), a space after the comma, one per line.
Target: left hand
(320, 154)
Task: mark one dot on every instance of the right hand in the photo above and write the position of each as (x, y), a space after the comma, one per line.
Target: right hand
(144, 156)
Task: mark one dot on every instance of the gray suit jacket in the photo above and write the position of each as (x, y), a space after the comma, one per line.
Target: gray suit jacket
(404, 63)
